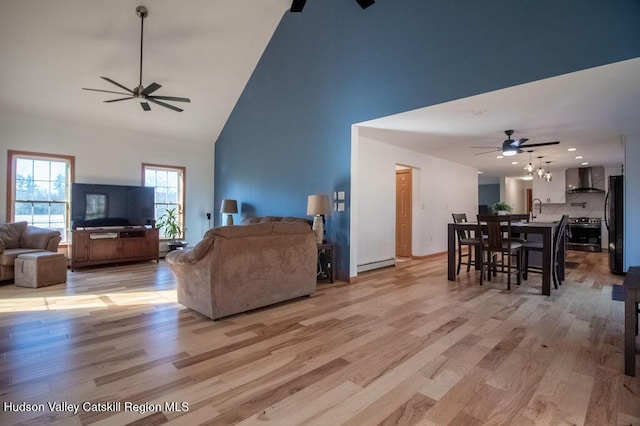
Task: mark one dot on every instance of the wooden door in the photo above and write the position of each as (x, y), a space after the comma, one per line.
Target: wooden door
(529, 200)
(403, 212)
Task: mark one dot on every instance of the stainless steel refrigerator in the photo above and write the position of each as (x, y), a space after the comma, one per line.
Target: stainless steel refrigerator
(614, 218)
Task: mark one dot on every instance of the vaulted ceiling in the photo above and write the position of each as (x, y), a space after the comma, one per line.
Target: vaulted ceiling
(205, 50)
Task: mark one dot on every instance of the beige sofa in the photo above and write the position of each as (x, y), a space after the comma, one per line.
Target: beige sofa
(238, 268)
(19, 238)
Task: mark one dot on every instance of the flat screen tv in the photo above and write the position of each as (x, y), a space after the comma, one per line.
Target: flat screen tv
(96, 205)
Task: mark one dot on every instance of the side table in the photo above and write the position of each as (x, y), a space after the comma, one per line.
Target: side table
(326, 262)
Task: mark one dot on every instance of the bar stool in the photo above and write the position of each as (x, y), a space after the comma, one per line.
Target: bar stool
(530, 246)
(465, 240)
(498, 242)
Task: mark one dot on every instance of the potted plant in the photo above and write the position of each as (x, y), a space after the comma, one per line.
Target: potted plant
(501, 208)
(171, 227)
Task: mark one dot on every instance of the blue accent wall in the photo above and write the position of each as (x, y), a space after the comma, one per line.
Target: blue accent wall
(488, 195)
(335, 64)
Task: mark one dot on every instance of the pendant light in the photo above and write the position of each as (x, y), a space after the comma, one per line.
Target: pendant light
(548, 175)
(540, 171)
(529, 167)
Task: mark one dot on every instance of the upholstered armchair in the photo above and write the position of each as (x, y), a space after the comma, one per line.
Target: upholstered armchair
(19, 238)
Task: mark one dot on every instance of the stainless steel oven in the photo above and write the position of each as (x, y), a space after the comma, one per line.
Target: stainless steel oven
(585, 234)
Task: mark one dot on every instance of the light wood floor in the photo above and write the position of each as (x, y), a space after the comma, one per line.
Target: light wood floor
(401, 346)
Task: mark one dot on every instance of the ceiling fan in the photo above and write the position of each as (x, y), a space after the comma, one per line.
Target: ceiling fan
(143, 94)
(512, 147)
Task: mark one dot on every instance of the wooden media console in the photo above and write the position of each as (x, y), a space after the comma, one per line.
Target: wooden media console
(98, 246)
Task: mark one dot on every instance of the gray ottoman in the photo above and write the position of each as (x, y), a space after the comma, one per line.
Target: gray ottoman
(40, 269)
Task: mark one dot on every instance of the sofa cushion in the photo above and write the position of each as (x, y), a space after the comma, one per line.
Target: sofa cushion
(34, 237)
(8, 257)
(1, 246)
(264, 219)
(10, 234)
(291, 228)
(257, 229)
(250, 230)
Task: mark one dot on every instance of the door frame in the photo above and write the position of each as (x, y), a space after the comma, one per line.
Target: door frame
(402, 168)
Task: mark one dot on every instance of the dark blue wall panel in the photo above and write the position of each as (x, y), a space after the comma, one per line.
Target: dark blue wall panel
(488, 195)
(335, 64)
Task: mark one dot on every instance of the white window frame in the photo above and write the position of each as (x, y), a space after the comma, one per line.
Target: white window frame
(12, 159)
(160, 207)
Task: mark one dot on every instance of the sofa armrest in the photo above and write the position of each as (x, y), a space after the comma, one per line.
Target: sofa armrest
(40, 238)
(191, 256)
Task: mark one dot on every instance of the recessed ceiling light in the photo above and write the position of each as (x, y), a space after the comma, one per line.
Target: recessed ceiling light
(499, 156)
(571, 149)
(479, 172)
(579, 157)
(514, 162)
(527, 178)
(585, 163)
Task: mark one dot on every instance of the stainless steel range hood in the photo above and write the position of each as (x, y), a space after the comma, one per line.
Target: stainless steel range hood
(585, 179)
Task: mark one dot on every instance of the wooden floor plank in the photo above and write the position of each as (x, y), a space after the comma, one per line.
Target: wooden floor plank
(400, 346)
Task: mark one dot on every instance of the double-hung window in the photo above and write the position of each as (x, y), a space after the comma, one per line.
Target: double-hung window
(39, 189)
(169, 183)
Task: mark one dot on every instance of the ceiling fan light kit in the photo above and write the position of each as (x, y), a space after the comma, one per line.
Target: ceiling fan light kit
(512, 147)
(141, 93)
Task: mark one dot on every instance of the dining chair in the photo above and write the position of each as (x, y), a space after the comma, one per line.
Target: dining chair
(497, 229)
(465, 239)
(536, 246)
(517, 237)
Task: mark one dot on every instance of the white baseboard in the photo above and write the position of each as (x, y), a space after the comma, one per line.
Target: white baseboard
(375, 265)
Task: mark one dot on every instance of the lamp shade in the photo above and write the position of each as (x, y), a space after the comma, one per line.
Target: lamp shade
(318, 204)
(229, 206)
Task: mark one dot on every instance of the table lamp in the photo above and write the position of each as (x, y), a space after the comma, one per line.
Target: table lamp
(229, 207)
(318, 206)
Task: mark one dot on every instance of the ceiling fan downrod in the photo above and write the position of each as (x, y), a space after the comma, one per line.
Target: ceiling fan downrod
(142, 12)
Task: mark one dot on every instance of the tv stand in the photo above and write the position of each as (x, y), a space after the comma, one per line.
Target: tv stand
(99, 246)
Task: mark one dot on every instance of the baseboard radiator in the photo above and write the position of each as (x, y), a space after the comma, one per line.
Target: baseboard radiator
(376, 265)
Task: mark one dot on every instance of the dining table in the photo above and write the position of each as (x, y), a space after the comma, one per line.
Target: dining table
(546, 230)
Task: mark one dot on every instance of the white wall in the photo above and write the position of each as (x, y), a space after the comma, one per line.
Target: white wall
(514, 194)
(113, 156)
(440, 188)
(631, 201)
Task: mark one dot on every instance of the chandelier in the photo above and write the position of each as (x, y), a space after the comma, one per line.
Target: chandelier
(540, 172)
(547, 175)
(529, 167)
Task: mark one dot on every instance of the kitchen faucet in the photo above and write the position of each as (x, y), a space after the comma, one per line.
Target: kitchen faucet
(533, 205)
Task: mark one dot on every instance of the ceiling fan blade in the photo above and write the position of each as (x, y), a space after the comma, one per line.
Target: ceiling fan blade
(519, 142)
(120, 99)
(151, 88)
(297, 6)
(539, 144)
(117, 84)
(170, 98)
(164, 104)
(488, 152)
(105, 91)
(145, 106)
(486, 147)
